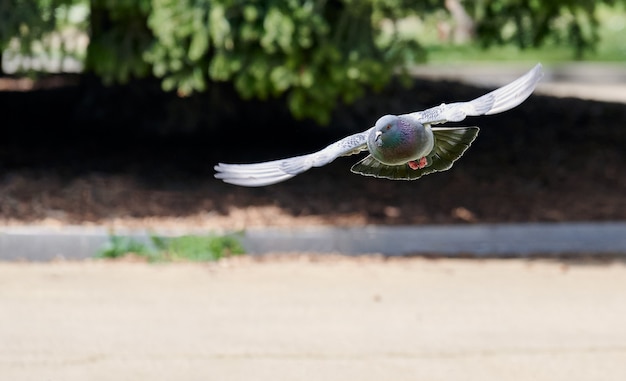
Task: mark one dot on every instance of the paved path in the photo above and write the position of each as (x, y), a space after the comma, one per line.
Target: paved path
(328, 319)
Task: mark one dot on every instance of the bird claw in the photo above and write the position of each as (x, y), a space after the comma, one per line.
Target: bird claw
(418, 164)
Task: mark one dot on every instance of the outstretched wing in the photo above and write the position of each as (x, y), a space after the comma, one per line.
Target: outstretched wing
(272, 172)
(499, 100)
(450, 144)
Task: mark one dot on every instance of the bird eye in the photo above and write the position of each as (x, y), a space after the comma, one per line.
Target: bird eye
(388, 126)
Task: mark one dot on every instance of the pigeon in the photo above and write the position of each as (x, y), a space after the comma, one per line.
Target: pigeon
(400, 147)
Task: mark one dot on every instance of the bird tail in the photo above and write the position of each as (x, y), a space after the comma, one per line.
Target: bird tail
(372, 167)
(450, 144)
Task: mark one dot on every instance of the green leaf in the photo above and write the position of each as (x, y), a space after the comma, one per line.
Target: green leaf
(199, 46)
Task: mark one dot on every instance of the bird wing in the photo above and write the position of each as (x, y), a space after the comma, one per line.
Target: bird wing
(272, 172)
(499, 100)
(450, 144)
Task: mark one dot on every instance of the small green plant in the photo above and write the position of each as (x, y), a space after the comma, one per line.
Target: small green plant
(118, 246)
(197, 248)
(187, 247)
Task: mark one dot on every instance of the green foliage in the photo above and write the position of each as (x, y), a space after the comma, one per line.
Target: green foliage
(316, 52)
(15, 19)
(319, 53)
(27, 22)
(532, 23)
(187, 247)
(118, 247)
(119, 38)
(197, 248)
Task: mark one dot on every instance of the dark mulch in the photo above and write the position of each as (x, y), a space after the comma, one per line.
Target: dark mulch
(77, 152)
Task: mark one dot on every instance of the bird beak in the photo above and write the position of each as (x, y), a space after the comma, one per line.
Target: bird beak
(378, 133)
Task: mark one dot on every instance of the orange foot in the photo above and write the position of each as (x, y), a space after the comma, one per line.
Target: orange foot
(418, 164)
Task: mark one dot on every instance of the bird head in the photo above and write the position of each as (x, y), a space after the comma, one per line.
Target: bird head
(385, 126)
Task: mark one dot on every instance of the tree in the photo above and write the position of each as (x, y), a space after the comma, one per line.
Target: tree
(315, 53)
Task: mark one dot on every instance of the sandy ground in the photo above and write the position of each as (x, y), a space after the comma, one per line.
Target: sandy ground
(300, 318)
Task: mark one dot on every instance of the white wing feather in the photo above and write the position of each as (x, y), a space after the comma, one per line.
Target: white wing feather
(272, 172)
(499, 100)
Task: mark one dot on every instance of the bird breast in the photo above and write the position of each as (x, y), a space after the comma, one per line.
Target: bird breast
(409, 141)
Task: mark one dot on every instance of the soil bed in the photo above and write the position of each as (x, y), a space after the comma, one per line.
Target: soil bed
(133, 156)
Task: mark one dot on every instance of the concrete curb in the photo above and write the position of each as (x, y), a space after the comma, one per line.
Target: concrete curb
(498, 240)
(480, 240)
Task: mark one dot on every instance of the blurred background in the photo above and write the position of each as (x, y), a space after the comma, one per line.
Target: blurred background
(114, 112)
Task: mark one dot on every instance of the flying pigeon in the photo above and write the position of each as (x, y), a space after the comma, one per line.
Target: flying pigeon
(401, 147)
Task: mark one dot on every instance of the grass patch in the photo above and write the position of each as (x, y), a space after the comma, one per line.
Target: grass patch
(612, 50)
(183, 248)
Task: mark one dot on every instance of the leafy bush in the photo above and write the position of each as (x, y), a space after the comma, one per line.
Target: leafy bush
(316, 53)
(119, 39)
